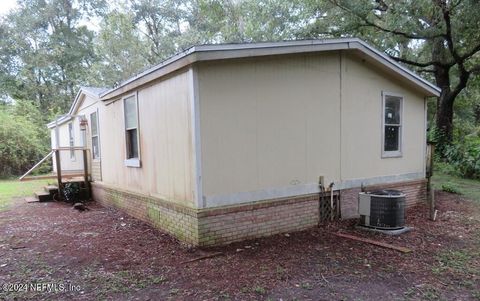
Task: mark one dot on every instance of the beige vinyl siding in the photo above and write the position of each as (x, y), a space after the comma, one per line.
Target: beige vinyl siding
(88, 106)
(362, 124)
(96, 170)
(282, 122)
(67, 164)
(166, 150)
(271, 122)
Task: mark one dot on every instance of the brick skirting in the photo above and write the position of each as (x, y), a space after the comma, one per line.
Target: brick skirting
(227, 224)
(416, 192)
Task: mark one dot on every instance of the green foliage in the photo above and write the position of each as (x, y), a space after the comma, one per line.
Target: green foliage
(45, 51)
(22, 139)
(71, 192)
(445, 168)
(464, 156)
(450, 187)
(470, 188)
(121, 49)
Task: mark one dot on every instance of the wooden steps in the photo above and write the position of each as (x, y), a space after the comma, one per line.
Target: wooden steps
(43, 196)
(47, 195)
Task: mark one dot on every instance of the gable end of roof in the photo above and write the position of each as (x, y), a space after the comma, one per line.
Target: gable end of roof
(232, 51)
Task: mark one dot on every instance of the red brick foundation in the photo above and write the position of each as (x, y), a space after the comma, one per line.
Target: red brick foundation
(234, 223)
(223, 225)
(415, 191)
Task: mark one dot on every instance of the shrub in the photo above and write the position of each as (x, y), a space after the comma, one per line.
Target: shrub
(450, 187)
(21, 143)
(464, 156)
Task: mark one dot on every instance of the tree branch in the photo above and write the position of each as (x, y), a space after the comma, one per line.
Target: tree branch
(475, 70)
(374, 25)
(448, 33)
(470, 53)
(409, 62)
(462, 83)
(418, 64)
(397, 32)
(427, 70)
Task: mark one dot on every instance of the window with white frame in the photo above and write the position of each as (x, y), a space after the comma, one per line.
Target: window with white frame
(71, 140)
(94, 134)
(130, 108)
(392, 125)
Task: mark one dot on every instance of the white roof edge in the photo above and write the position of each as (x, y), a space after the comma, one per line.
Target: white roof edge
(67, 117)
(395, 65)
(284, 47)
(61, 120)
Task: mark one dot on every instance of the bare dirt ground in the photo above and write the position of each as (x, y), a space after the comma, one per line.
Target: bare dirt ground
(105, 254)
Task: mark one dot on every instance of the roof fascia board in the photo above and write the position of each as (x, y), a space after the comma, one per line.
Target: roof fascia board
(428, 87)
(210, 53)
(147, 77)
(75, 102)
(89, 93)
(60, 121)
(231, 51)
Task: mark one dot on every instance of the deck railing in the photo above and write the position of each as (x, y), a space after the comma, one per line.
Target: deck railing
(58, 167)
(36, 165)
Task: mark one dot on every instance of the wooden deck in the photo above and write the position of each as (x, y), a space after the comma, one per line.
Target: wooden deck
(74, 177)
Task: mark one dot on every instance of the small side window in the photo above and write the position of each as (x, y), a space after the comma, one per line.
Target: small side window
(130, 108)
(392, 125)
(94, 134)
(71, 141)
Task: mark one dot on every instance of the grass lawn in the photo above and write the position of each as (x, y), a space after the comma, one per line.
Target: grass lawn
(467, 187)
(10, 189)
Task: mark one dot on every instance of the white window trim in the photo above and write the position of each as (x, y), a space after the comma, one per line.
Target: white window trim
(74, 157)
(97, 135)
(399, 153)
(132, 162)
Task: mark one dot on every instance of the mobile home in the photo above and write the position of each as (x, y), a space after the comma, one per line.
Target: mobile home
(222, 143)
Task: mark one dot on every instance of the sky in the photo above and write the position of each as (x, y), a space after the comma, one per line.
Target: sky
(6, 5)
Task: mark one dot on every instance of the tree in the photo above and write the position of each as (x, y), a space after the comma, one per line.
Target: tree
(23, 137)
(160, 21)
(440, 38)
(120, 50)
(46, 52)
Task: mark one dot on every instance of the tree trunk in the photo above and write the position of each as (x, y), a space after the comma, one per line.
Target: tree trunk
(445, 118)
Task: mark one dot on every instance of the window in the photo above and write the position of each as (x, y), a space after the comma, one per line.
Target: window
(131, 131)
(392, 125)
(94, 134)
(71, 141)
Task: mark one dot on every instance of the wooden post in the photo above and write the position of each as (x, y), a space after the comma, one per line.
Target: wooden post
(429, 174)
(332, 212)
(85, 172)
(59, 174)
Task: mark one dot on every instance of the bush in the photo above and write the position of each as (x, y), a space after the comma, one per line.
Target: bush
(450, 187)
(464, 156)
(445, 168)
(21, 142)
